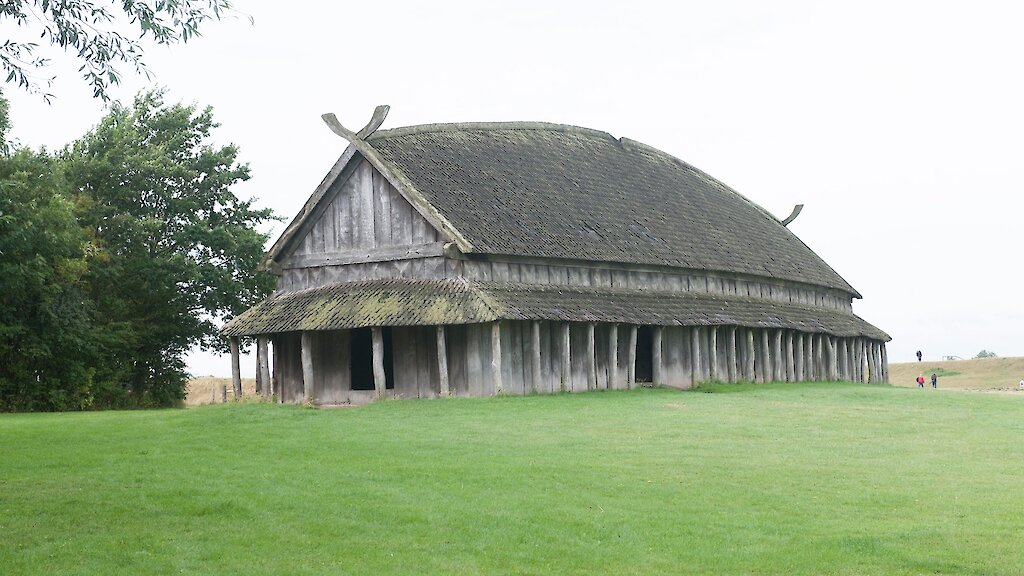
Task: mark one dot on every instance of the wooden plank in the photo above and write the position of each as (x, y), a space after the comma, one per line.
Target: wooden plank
(591, 358)
(442, 362)
(379, 378)
(308, 392)
(402, 214)
(474, 361)
(566, 358)
(275, 381)
(496, 356)
(696, 376)
(364, 226)
(535, 357)
(713, 354)
(264, 366)
(631, 357)
(789, 354)
(885, 365)
(236, 369)
(381, 210)
(798, 358)
(613, 357)
(358, 256)
(656, 363)
(731, 360)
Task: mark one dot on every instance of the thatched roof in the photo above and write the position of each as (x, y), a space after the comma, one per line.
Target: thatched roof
(554, 191)
(440, 302)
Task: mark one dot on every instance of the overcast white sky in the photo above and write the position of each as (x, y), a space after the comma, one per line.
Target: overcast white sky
(900, 125)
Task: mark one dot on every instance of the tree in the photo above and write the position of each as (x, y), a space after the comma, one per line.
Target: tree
(47, 341)
(90, 30)
(175, 250)
(986, 354)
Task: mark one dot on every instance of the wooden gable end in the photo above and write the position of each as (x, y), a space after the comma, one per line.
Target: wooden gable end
(362, 218)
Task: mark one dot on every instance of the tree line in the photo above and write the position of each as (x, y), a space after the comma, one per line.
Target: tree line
(118, 254)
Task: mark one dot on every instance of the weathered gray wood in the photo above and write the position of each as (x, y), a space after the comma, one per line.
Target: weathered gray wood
(307, 368)
(885, 365)
(767, 362)
(778, 358)
(713, 353)
(833, 348)
(359, 256)
(259, 373)
(613, 357)
(236, 369)
(224, 394)
(732, 364)
(566, 371)
(790, 357)
(496, 357)
(264, 366)
(363, 205)
(275, 388)
(442, 362)
(591, 358)
(798, 359)
(379, 377)
(535, 357)
(750, 352)
(657, 367)
(631, 357)
(695, 356)
(382, 195)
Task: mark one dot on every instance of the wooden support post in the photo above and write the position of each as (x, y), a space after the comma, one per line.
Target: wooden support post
(442, 362)
(798, 359)
(259, 373)
(264, 365)
(275, 389)
(566, 360)
(767, 370)
(749, 371)
(656, 365)
(224, 394)
(307, 367)
(790, 360)
(631, 358)
(731, 360)
(236, 370)
(380, 383)
(809, 370)
(829, 366)
(842, 359)
(696, 374)
(713, 354)
(779, 364)
(885, 365)
(535, 356)
(591, 358)
(613, 357)
(496, 356)
(213, 394)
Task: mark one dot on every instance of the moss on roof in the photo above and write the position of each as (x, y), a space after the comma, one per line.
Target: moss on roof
(547, 190)
(435, 302)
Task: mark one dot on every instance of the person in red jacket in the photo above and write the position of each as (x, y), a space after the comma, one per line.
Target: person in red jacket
(920, 380)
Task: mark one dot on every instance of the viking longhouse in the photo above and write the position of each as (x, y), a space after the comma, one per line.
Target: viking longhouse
(480, 259)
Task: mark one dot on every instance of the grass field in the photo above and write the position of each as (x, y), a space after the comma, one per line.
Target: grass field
(977, 374)
(769, 479)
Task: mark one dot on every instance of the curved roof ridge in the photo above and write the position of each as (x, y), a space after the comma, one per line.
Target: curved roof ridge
(484, 126)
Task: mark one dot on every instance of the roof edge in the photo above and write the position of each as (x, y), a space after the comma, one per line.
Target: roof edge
(484, 126)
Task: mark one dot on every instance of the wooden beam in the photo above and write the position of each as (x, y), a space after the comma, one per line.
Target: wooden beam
(496, 356)
(364, 255)
(264, 365)
(442, 362)
(778, 357)
(713, 353)
(790, 357)
(307, 367)
(749, 371)
(696, 374)
(613, 357)
(767, 371)
(656, 366)
(591, 358)
(275, 389)
(236, 369)
(566, 368)
(380, 383)
(798, 357)
(259, 374)
(731, 358)
(535, 355)
(885, 365)
(631, 358)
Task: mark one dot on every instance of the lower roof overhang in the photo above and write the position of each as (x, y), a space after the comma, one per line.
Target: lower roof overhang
(402, 302)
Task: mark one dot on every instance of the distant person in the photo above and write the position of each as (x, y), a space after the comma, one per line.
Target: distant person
(918, 355)
(920, 380)
(935, 381)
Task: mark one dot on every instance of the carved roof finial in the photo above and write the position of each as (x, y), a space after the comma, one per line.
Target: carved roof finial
(379, 114)
(792, 216)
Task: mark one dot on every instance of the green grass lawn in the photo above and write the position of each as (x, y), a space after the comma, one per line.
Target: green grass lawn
(777, 479)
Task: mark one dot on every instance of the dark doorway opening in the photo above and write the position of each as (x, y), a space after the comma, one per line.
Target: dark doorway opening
(644, 354)
(361, 352)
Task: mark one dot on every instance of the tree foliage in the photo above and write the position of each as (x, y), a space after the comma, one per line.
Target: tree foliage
(90, 29)
(119, 255)
(986, 354)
